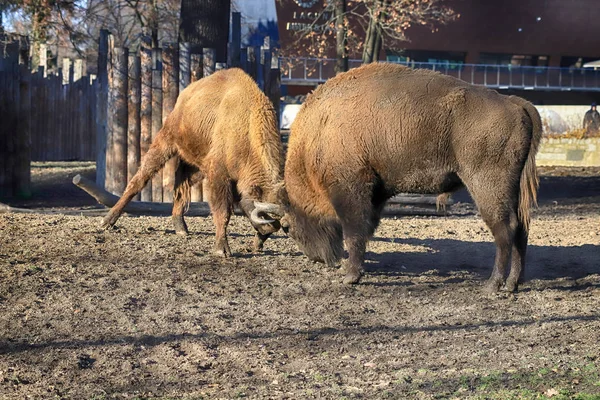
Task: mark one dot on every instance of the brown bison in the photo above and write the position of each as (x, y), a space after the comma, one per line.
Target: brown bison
(381, 129)
(223, 128)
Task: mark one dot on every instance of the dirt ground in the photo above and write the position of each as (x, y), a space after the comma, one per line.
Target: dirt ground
(139, 312)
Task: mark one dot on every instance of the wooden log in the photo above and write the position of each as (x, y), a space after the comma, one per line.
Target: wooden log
(198, 209)
(119, 139)
(170, 87)
(157, 193)
(109, 200)
(146, 106)
(101, 110)
(133, 123)
(5, 208)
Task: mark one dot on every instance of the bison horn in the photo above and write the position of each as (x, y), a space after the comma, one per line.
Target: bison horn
(259, 220)
(268, 208)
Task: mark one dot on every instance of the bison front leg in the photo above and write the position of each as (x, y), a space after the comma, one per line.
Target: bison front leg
(221, 206)
(159, 153)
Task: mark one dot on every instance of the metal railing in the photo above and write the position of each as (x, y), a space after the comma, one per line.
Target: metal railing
(310, 71)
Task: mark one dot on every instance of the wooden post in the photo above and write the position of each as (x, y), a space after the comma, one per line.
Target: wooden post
(146, 106)
(118, 144)
(251, 62)
(101, 104)
(23, 171)
(157, 192)
(133, 123)
(185, 73)
(44, 59)
(170, 92)
(273, 90)
(196, 67)
(196, 74)
(233, 53)
(208, 61)
(66, 67)
(78, 69)
(244, 60)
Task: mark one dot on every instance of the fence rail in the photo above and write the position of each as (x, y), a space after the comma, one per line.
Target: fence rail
(311, 71)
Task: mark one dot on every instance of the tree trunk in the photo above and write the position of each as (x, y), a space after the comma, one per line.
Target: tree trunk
(341, 62)
(373, 38)
(205, 24)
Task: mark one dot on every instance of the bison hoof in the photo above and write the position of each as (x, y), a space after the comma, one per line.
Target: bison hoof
(511, 286)
(180, 226)
(222, 250)
(352, 278)
(493, 286)
(109, 221)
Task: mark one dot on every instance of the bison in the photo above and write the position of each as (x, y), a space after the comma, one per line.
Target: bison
(224, 129)
(382, 129)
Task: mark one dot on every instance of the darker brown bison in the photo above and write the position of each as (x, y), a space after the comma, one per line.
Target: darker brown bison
(381, 129)
(224, 129)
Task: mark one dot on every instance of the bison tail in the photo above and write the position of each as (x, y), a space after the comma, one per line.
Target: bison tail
(184, 194)
(529, 176)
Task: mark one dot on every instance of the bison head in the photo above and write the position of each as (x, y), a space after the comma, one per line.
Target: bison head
(319, 239)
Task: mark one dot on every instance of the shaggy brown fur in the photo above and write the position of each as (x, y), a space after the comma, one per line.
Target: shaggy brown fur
(225, 129)
(381, 129)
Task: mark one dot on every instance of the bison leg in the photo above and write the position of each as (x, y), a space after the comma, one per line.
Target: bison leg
(159, 153)
(517, 268)
(187, 175)
(221, 206)
(498, 208)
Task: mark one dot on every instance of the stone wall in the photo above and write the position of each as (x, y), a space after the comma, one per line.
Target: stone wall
(569, 152)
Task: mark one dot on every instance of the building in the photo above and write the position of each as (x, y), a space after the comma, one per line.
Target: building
(523, 43)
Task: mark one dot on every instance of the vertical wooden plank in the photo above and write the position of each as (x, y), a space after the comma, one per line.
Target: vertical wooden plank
(273, 90)
(196, 74)
(170, 92)
(185, 73)
(233, 53)
(133, 125)
(157, 121)
(78, 69)
(44, 59)
(251, 62)
(196, 67)
(101, 108)
(146, 106)
(208, 61)
(119, 139)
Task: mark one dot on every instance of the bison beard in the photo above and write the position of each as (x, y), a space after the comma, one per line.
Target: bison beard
(382, 129)
(320, 239)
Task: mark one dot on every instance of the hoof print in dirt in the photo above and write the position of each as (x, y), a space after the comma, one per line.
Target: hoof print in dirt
(85, 361)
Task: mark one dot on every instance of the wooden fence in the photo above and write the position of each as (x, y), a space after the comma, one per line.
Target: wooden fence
(15, 106)
(61, 121)
(137, 91)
